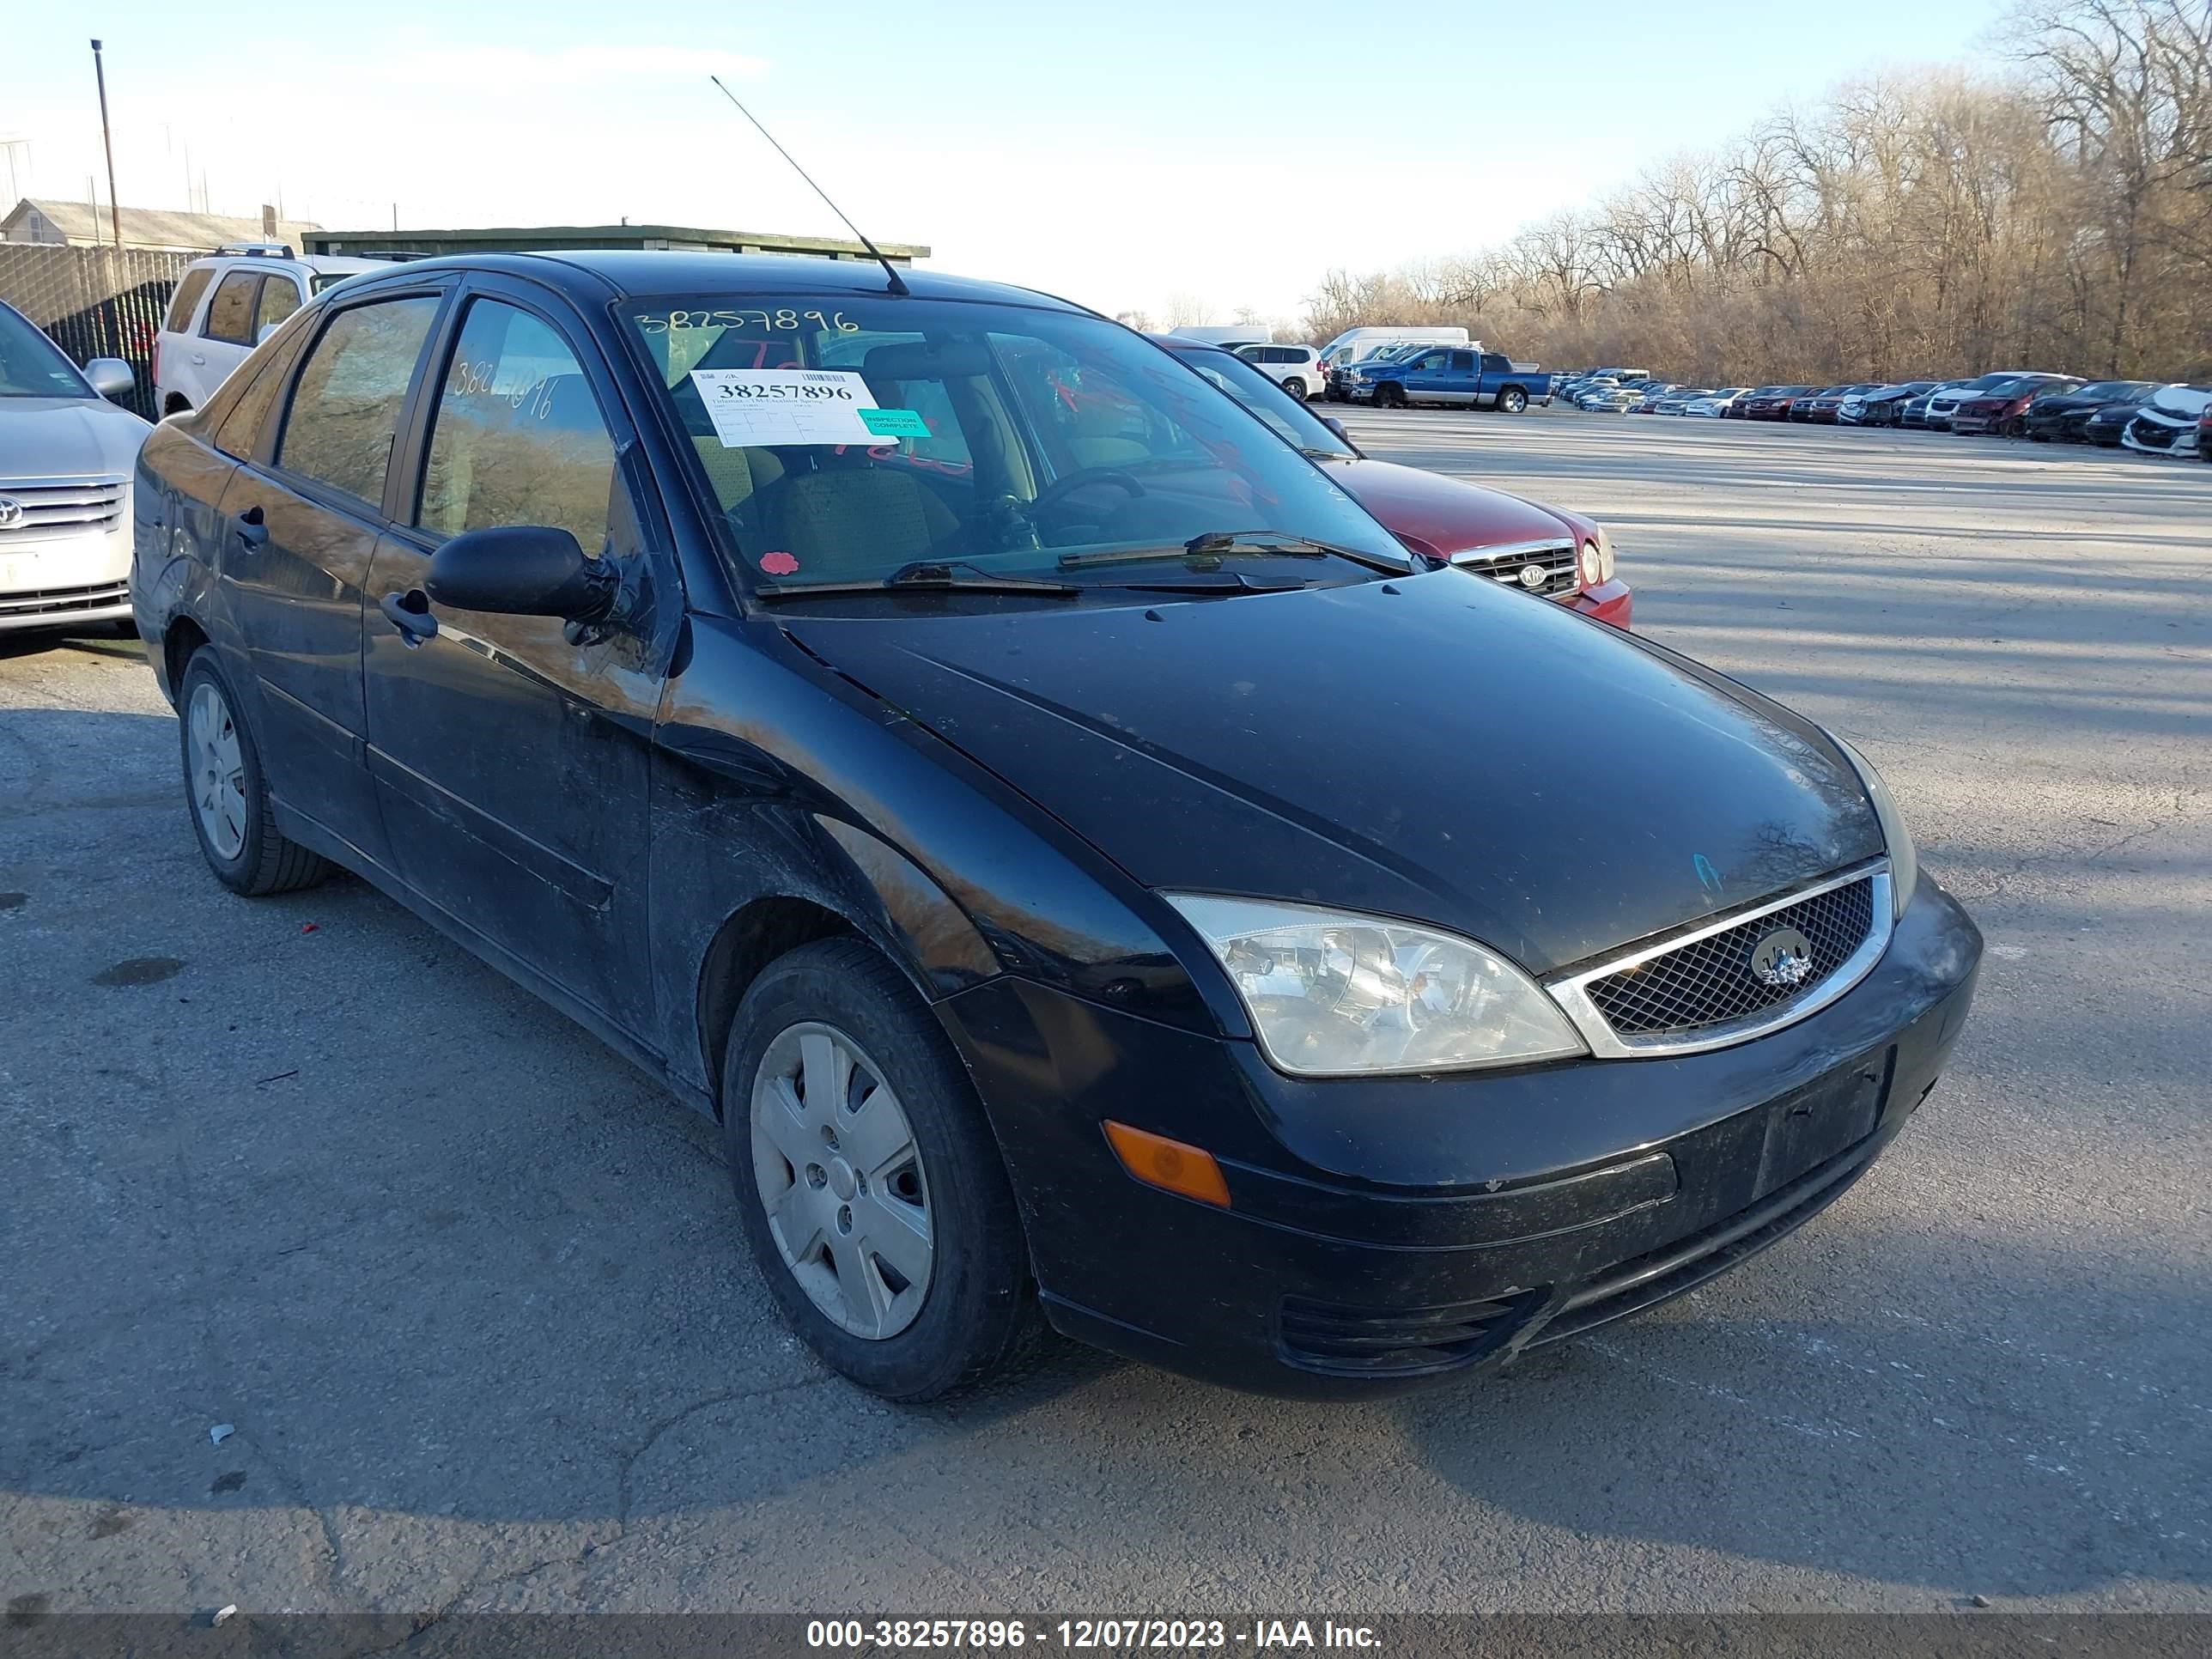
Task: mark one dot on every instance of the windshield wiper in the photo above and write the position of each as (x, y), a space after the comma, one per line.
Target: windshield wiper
(1215, 543)
(923, 576)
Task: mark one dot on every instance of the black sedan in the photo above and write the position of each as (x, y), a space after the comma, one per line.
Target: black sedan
(960, 750)
(2108, 423)
(2064, 416)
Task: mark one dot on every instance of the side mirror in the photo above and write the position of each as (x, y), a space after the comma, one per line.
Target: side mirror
(523, 570)
(1336, 426)
(111, 377)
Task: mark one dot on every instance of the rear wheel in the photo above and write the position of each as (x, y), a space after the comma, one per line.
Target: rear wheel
(229, 794)
(1513, 400)
(873, 1195)
(1296, 388)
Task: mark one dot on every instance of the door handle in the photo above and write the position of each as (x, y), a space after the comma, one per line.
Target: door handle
(199, 360)
(410, 612)
(252, 533)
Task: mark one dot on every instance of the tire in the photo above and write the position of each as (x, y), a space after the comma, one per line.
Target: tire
(1389, 396)
(1513, 400)
(936, 1168)
(228, 793)
(1296, 388)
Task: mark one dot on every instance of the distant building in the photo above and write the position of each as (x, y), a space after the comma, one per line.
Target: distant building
(529, 239)
(79, 224)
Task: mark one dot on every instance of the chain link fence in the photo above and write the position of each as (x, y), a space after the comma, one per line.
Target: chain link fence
(96, 302)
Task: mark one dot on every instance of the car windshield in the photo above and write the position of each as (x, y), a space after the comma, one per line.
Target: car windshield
(1293, 422)
(32, 366)
(850, 440)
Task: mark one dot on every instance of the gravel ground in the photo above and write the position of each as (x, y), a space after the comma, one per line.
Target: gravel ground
(470, 1291)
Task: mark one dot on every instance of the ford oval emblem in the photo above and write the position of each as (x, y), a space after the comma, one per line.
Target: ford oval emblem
(1534, 576)
(1783, 958)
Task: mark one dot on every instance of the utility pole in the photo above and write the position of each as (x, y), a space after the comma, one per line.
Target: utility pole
(115, 205)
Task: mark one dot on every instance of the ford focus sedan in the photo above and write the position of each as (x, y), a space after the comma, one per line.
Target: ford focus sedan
(1094, 873)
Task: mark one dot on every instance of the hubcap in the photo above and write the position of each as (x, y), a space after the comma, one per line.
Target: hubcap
(218, 777)
(840, 1178)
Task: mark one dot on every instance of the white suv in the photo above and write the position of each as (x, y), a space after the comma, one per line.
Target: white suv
(225, 305)
(1296, 368)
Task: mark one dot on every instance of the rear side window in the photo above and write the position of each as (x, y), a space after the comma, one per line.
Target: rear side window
(345, 408)
(1463, 361)
(280, 298)
(230, 314)
(1495, 363)
(239, 434)
(186, 300)
(518, 438)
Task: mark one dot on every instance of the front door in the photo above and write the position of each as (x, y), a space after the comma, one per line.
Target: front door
(511, 754)
(300, 523)
(1428, 378)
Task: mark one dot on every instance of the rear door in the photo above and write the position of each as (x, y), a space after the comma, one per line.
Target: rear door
(226, 335)
(300, 525)
(511, 755)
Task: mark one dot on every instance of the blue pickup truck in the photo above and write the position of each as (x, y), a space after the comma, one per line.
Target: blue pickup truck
(1449, 374)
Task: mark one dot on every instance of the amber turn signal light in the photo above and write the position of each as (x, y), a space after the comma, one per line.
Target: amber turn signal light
(1171, 1165)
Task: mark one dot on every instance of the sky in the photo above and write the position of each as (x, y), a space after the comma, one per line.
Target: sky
(1225, 154)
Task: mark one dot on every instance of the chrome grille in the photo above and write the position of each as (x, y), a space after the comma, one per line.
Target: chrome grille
(1709, 981)
(1505, 565)
(51, 508)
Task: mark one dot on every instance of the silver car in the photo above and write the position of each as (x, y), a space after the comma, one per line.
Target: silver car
(66, 455)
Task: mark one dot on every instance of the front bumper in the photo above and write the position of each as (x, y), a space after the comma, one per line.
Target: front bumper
(1389, 1233)
(65, 582)
(1612, 603)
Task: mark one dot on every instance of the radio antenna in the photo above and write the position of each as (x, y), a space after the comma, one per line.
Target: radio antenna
(899, 282)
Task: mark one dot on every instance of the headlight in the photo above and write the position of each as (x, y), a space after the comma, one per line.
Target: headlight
(1334, 995)
(1903, 861)
(1597, 560)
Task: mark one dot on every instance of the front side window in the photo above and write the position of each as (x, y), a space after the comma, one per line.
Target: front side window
(186, 300)
(32, 366)
(345, 408)
(518, 437)
(230, 314)
(843, 439)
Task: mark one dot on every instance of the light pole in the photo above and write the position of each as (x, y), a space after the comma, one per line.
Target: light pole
(114, 207)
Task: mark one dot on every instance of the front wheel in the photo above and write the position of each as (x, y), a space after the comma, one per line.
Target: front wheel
(874, 1199)
(229, 793)
(1513, 400)
(1388, 396)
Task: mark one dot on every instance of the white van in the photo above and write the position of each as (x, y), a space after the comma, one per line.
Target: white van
(1355, 343)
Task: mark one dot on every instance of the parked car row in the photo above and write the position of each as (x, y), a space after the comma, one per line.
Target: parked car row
(2144, 415)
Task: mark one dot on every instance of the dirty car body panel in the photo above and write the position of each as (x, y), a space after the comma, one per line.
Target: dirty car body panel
(999, 789)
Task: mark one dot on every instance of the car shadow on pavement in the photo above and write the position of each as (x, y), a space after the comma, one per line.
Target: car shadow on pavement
(2042, 1431)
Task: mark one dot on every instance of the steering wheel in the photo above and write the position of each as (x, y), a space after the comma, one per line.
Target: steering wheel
(1051, 494)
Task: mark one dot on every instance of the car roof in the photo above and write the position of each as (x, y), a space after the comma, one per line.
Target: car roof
(592, 275)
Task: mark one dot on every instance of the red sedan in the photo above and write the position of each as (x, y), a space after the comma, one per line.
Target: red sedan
(1774, 402)
(1544, 550)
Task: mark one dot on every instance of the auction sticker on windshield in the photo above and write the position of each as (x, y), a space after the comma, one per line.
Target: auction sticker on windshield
(754, 407)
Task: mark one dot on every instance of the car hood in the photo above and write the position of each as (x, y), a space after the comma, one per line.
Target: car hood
(67, 438)
(1431, 747)
(2186, 404)
(1445, 515)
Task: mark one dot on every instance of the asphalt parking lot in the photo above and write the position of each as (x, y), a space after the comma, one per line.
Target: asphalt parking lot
(471, 1293)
